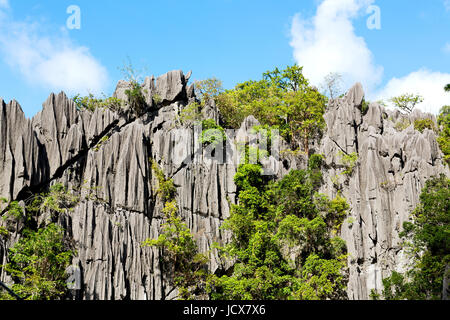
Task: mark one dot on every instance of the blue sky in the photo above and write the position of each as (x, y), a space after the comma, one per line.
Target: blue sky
(233, 40)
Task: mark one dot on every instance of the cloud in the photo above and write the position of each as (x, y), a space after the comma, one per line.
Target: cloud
(428, 84)
(328, 43)
(52, 62)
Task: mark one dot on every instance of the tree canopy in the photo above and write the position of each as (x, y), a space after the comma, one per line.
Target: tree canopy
(283, 99)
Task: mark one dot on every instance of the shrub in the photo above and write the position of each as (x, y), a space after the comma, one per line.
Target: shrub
(38, 262)
(166, 188)
(422, 124)
(349, 161)
(212, 133)
(444, 134)
(402, 124)
(91, 103)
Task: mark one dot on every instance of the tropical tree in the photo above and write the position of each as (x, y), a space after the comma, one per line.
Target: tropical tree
(406, 102)
(428, 245)
(283, 99)
(282, 242)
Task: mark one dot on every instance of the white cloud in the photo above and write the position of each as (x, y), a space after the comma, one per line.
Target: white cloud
(428, 84)
(52, 62)
(328, 43)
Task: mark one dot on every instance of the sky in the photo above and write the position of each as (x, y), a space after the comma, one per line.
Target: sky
(79, 46)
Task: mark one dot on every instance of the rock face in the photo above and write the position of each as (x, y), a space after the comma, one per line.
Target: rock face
(106, 156)
(384, 187)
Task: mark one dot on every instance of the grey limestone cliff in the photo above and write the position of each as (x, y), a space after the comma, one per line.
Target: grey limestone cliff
(106, 157)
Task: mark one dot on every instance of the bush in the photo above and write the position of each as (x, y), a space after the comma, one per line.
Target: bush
(91, 103)
(191, 114)
(422, 124)
(315, 162)
(136, 99)
(212, 133)
(444, 134)
(166, 188)
(38, 262)
(402, 124)
(349, 161)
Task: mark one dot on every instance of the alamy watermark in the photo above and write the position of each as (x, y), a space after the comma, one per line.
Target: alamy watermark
(74, 20)
(374, 20)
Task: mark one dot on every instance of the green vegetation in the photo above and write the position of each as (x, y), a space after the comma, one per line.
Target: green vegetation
(402, 124)
(283, 100)
(364, 107)
(14, 211)
(282, 241)
(156, 98)
(443, 139)
(4, 232)
(212, 133)
(447, 87)
(91, 103)
(208, 89)
(166, 189)
(406, 102)
(428, 245)
(102, 141)
(349, 161)
(185, 269)
(136, 99)
(134, 93)
(422, 124)
(37, 262)
(191, 114)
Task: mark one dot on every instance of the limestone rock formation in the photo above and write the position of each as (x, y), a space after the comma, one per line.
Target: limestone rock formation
(106, 156)
(385, 185)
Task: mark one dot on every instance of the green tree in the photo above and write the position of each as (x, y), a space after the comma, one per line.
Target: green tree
(406, 102)
(37, 263)
(90, 102)
(281, 243)
(422, 124)
(183, 267)
(444, 130)
(212, 133)
(428, 245)
(447, 87)
(283, 99)
(208, 89)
